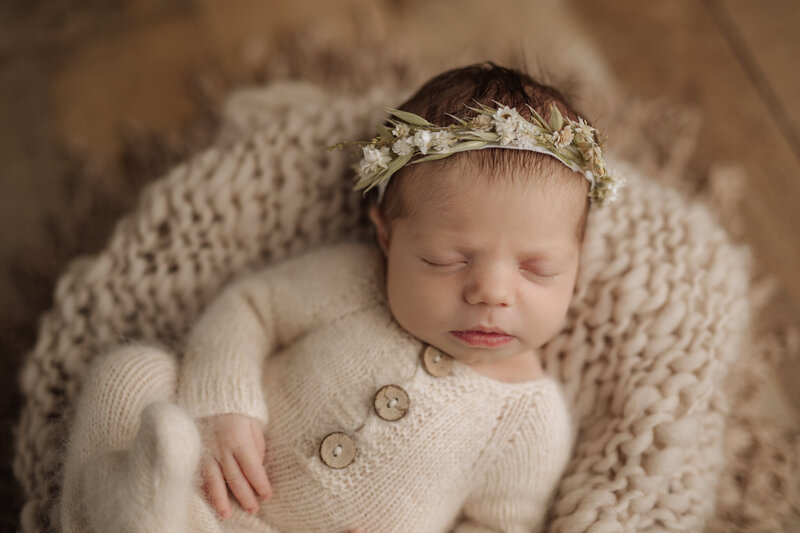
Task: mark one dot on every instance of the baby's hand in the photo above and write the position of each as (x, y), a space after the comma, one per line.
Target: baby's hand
(233, 452)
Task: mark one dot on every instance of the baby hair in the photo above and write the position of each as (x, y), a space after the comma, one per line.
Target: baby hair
(448, 94)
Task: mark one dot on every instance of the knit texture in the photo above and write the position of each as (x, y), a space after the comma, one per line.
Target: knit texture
(500, 447)
(133, 453)
(100, 430)
(660, 312)
(494, 450)
(155, 476)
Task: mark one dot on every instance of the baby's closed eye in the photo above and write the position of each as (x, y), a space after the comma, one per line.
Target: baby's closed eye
(443, 264)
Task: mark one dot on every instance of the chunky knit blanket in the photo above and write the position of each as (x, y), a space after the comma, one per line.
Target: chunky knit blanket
(660, 315)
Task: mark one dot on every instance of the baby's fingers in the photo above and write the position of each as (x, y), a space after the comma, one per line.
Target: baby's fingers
(214, 486)
(253, 469)
(238, 484)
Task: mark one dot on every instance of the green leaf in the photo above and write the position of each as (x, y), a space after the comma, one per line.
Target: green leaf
(538, 118)
(469, 145)
(432, 157)
(398, 163)
(384, 131)
(362, 183)
(484, 110)
(556, 120)
(489, 136)
(460, 121)
(411, 118)
(480, 112)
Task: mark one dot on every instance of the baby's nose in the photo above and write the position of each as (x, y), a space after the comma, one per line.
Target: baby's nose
(492, 287)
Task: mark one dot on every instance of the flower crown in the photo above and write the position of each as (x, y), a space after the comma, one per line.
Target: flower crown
(573, 143)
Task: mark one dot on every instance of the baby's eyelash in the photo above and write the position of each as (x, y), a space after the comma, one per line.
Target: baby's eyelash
(452, 266)
(440, 266)
(549, 277)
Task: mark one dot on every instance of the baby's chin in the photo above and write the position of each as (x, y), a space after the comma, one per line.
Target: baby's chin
(477, 355)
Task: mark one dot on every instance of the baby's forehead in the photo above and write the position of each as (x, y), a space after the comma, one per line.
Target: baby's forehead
(443, 191)
(450, 204)
(534, 232)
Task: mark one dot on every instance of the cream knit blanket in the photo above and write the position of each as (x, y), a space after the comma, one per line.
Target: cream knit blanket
(661, 308)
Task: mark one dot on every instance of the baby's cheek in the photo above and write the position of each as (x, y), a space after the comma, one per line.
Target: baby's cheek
(402, 300)
(550, 317)
(420, 305)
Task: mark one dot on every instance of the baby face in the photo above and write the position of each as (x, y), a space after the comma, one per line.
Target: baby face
(483, 269)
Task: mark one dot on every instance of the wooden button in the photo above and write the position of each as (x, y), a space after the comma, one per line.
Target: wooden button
(337, 450)
(436, 363)
(391, 403)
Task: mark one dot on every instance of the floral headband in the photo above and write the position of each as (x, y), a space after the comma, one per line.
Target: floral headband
(573, 143)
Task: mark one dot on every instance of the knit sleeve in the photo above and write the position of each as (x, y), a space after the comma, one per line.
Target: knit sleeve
(514, 493)
(260, 313)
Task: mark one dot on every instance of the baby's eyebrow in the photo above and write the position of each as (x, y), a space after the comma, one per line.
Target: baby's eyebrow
(454, 239)
(547, 253)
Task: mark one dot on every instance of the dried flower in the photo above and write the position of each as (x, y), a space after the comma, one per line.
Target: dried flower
(590, 153)
(482, 123)
(422, 140)
(401, 130)
(507, 122)
(403, 146)
(563, 137)
(374, 159)
(584, 129)
(442, 140)
(506, 115)
(527, 135)
(491, 127)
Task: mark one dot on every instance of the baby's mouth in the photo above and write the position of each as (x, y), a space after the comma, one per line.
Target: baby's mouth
(480, 337)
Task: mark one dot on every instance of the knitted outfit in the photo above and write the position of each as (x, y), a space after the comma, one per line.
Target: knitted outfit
(661, 312)
(494, 450)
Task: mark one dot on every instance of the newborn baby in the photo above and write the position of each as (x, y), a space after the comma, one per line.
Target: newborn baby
(385, 389)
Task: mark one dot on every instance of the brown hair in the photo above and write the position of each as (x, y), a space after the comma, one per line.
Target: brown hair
(449, 93)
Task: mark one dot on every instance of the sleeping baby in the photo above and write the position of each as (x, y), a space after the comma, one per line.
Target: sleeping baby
(388, 388)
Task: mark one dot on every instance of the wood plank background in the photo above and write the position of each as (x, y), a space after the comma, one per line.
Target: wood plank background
(72, 73)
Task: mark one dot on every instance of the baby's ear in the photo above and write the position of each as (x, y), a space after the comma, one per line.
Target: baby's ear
(380, 227)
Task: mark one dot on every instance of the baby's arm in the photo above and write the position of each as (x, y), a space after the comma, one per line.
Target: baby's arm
(514, 493)
(255, 315)
(220, 382)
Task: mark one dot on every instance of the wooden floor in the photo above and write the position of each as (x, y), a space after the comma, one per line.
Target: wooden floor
(70, 75)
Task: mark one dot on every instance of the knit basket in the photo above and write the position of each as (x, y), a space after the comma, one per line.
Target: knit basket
(659, 315)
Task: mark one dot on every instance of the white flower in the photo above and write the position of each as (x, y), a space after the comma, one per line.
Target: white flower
(507, 136)
(374, 159)
(506, 115)
(482, 123)
(422, 140)
(526, 135)
(506, 122)
(403, 146)
(401, 130)
(591, 153)
(563, 137)
(585, 129)
(608, 187)
(442, 140)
